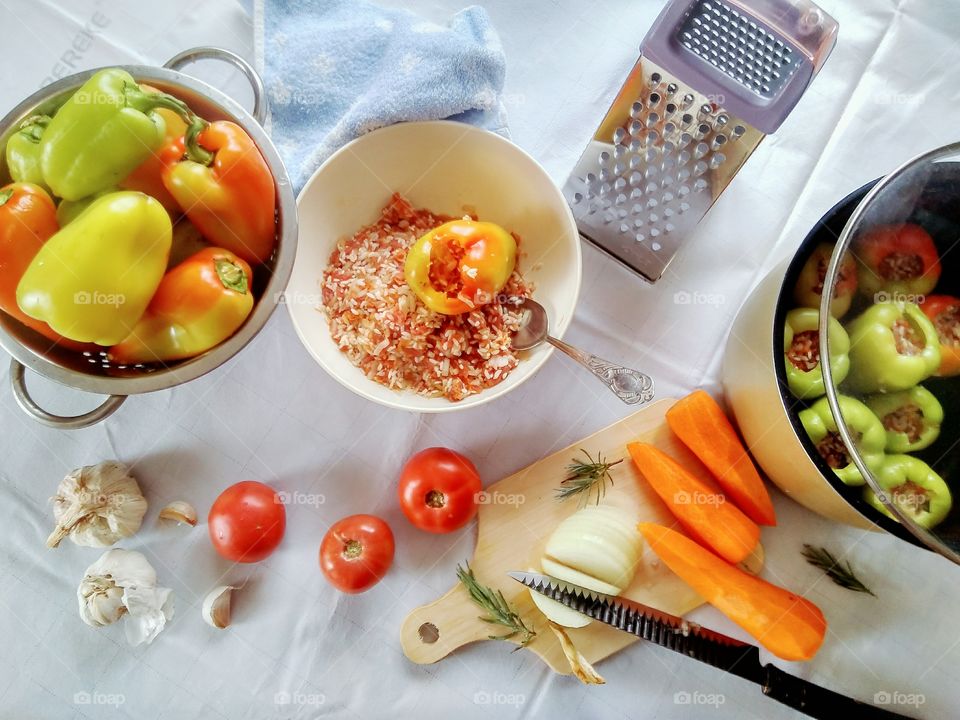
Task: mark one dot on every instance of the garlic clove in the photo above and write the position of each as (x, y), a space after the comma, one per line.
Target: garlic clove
(181, 512)
(216, 606)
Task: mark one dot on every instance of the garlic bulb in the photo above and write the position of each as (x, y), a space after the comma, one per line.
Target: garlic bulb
(96, 505)
(216, 606)
(123, 582)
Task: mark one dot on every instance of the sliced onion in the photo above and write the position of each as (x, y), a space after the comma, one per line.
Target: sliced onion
(597, 548)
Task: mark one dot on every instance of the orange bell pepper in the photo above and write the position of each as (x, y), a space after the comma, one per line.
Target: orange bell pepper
(231, 199)
(460, 265)
(702, 426)
(199, 303)
(27, 220)
(147, 177)
(789, 626)
(701, 508)
(944, 313)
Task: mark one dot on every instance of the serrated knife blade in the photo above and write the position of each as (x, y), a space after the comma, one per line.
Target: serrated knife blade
(700, 643)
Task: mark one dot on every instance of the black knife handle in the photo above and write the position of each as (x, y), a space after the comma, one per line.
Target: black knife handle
(816, 701)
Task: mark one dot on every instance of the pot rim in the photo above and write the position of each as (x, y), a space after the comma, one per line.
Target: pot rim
(282, 264)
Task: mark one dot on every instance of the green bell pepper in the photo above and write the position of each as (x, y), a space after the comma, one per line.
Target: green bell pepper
(912, 418)
(93, 279)
(801, 347)
(23, 151)
(893, 346)
(821, 428)
(914, 487)
(103, 131)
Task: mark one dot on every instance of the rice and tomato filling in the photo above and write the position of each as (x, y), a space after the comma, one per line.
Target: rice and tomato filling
(384, 329)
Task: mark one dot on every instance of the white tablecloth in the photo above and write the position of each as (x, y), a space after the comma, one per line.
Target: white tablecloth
(300, 649)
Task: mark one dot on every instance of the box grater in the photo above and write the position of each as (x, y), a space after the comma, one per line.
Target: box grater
(713, 77)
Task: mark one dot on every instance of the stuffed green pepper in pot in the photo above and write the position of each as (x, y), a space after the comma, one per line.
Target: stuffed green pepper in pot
(865, 427)
(809, 288)
(893, 346)
(911, 418)
(914, 487)
(801, 347)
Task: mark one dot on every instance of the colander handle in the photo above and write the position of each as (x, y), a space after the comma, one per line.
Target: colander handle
(75, 422)
(214, 53)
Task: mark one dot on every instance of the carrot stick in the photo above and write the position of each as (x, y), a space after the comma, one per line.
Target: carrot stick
(701, 508)
(702, 426)
(789, 626)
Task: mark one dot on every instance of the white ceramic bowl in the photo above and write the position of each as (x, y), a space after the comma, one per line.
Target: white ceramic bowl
(449, 168)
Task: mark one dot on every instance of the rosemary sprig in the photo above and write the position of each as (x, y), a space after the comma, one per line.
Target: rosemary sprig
(584, 478)
(842, 574)
(498, 609)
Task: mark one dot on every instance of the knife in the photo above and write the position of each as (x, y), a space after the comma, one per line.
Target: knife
(688, 638)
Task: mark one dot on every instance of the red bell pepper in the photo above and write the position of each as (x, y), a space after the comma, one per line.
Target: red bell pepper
(27, 220)
(199, 303)
(896, 260)
(231, 199)
(944, 313)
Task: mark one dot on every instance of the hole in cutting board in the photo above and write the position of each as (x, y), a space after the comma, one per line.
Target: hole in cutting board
(428, 633)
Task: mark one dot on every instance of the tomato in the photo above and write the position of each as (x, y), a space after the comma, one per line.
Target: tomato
(356, 552)
(247, 521)
(439, 489)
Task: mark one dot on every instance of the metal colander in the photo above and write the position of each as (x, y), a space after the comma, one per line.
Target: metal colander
(90, 371)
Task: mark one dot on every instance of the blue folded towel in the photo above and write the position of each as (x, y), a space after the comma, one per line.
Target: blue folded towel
(335, 69)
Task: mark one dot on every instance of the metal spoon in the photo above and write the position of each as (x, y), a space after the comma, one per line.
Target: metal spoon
(631, 386)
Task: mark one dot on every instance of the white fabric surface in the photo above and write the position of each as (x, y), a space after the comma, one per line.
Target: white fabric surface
(889, 91)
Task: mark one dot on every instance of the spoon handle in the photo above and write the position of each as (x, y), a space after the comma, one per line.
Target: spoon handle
(631, 386)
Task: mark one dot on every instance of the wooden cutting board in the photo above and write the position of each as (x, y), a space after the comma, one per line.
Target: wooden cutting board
(514, 525)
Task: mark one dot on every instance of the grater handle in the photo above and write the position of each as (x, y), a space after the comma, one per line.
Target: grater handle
(631, 386)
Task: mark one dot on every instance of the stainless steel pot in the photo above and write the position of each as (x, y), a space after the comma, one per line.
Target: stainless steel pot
(753, 387)
(921, 193)
(84, 372)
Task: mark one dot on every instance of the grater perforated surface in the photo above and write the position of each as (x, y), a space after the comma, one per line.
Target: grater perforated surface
(740, 47)
(656, 164)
